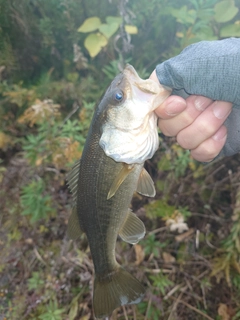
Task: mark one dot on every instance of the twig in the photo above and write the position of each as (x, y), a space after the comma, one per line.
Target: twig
(158, 270)
(174, 289)
(192, 308)
(204, 296)
(148, 308)
(125, 312)
(214, 172)
(38, 256)
(74, 109)
(157, 230)
(134, 312)
(209, 216)
(176, 303)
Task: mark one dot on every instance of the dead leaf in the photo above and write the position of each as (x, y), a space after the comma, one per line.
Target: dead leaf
(223, 311)
(168, 258)
(185, 235)
(39, 112)
(5, 141)
(139, 254)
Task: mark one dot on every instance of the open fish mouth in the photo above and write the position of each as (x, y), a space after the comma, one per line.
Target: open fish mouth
(130, 133)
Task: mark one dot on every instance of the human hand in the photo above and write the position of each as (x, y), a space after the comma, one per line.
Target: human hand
(197, 123)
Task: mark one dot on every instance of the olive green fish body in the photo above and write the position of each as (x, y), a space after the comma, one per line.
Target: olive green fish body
(100, 218)
(123, 134)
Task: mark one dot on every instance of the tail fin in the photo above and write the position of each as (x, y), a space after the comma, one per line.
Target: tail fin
(115, 290)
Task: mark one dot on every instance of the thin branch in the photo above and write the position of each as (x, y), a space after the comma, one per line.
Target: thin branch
(192, 308)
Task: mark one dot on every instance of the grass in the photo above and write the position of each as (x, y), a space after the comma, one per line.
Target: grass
(192, 275)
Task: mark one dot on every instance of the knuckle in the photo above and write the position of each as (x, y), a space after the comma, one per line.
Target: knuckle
(166, 129)
(207, 151)
(184, 141)
(205, 129)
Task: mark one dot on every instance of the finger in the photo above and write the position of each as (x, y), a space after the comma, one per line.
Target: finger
(171, 107)
(205, 125)
(195, 106)
(211, 147)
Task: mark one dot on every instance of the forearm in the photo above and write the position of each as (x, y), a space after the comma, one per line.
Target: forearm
(208, 68)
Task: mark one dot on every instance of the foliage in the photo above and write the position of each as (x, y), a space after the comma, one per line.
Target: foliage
(57, 58)
(151, 246)
(230, 256)
(33, 201)
(52, 312)
(94, 42)
(161, 282)
(35, 282)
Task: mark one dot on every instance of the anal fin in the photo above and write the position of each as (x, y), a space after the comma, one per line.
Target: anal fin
(145, 184)
(133, 229)
(122, 175)
(73, 229)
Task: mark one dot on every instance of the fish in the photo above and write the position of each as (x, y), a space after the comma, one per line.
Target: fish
(123, 134)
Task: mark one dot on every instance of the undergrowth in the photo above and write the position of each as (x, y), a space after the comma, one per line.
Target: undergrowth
(189, 260)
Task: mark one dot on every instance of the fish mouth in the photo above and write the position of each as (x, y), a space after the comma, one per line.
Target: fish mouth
(130, 133)
(136, 86)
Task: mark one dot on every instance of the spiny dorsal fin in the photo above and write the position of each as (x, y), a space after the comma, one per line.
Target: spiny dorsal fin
(73, 229)
(72, 179)
(132, 229)
(145, 184)
(122, 175)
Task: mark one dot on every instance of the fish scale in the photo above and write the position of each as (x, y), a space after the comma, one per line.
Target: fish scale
(123, 134)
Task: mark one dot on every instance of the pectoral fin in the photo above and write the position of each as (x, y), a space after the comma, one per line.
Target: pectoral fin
(72, 179)
(73, 229)
(132, 229)
(146, 185)
(122, 175)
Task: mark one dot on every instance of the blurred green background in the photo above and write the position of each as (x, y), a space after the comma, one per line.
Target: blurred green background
(57, 57)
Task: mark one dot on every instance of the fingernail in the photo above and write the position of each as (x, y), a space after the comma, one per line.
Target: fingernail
(200, 103)
(220, 134)
(221, 111)
(174, 108)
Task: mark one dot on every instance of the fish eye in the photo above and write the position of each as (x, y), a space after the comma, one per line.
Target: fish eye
(118, 96)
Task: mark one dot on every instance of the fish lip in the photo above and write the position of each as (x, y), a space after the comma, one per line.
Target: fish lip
(131, 76)
(130, 69)
(133, 80)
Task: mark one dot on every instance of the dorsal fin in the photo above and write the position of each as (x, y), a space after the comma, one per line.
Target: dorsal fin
(122, 175)
(145, 184)
(73, 229)
(72, 179)
(132, 229)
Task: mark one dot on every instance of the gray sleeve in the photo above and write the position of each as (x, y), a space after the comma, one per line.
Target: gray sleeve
(211, 69)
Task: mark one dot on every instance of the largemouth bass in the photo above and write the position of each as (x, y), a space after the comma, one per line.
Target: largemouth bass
(123, 134)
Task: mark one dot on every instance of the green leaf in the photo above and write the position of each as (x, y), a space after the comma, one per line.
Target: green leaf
(111, 19)
(90, 24)
(74, 307)
(183, 15)
(108, 29)
(131, 29)
(232, 30)
(94, 43)
(225, 11)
